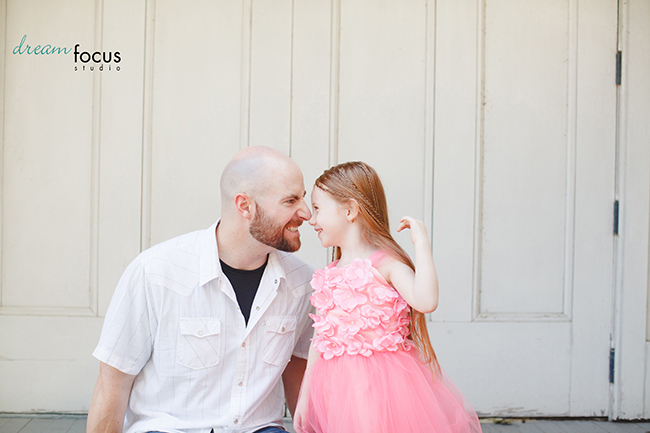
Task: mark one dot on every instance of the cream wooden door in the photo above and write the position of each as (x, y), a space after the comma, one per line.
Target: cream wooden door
(524, 178)
(71, 174)
(494, 121)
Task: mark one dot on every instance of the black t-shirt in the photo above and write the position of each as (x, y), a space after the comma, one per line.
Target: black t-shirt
(245, 284)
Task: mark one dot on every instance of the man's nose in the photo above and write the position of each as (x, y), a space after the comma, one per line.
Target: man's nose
(304, 212)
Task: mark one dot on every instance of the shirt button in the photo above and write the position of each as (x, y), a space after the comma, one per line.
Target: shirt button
(243, 344)
(283, 329)
(236, 421)
(240, 383)
(276, 281)
(200, 332)
(257, 308)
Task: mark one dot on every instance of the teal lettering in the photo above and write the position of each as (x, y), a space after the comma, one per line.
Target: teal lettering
(48, 49)
(19, 47)
(58, 50)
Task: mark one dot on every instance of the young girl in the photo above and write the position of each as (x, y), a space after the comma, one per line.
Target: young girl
(371, 366)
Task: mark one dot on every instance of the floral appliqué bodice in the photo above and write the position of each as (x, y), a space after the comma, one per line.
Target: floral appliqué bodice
(359, 312)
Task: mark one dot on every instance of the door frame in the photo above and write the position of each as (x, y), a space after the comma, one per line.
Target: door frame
(629, 399)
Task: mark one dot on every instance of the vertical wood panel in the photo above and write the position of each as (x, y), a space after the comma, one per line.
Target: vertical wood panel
(121, 149)
(454, 160)
(646, 399)
(310, 108)
(95, 154)
(147, 123)
(196, 112)
(270, 88)
(632, 311)
(47, 158)
(382, 98)
(54, 174)
(460, 341)
(595, 174)
(429, 114)
(3, 69)
(524, 160)
(335, 75)
(245, 84)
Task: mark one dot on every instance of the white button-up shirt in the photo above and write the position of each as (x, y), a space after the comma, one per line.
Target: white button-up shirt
(174, 321)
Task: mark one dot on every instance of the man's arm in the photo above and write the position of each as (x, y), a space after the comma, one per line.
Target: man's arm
(110, 397)
(292, 378)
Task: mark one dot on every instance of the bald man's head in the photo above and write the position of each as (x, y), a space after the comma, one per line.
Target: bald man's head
(252, 171)
(263, 195)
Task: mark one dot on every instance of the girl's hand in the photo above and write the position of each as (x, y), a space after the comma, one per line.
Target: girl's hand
(418, 229)
(418, 287)
(300, 416)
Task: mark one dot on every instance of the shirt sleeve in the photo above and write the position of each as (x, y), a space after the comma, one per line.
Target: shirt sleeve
(306, 333)
(126, 341)
(305, 330)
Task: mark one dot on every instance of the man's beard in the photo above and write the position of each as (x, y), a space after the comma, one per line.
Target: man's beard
(263, 230)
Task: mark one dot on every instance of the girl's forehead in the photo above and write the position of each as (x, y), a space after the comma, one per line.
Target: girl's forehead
(318, 194)
(323, 198)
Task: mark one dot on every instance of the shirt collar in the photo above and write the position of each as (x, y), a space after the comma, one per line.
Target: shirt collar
(209, 267)
(275, 266)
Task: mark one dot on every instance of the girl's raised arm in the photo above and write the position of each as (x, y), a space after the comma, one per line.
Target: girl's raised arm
(419, 288)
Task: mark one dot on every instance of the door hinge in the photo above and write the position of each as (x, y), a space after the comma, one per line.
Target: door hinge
(615, 217)
(619, 65)
(612, 353)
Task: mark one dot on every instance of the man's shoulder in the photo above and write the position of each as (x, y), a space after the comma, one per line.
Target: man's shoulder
(296, 270)
(175, 263)
(188, 243)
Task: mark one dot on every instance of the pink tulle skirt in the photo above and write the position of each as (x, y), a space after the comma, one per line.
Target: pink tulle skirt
(387, 392)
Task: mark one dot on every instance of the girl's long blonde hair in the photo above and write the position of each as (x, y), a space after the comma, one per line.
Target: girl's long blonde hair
(358, 181)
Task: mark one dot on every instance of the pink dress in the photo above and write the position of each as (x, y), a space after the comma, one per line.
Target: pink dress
(369, 377)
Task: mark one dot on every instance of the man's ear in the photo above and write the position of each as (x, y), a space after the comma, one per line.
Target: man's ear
(245, 206)
(352, 210)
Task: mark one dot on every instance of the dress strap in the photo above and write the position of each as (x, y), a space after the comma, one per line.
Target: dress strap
(376, 257)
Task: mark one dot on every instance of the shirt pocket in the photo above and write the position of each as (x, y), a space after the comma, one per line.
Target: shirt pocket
(279, 339)
(199, 342)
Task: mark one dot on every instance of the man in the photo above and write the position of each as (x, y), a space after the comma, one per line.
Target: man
(202, 327)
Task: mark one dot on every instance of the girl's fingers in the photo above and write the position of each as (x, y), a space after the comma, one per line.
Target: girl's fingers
(417, 227)
(404, 223)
